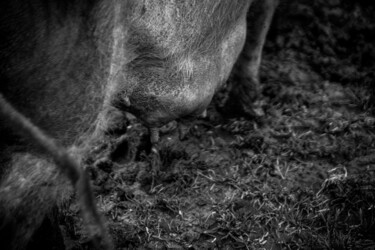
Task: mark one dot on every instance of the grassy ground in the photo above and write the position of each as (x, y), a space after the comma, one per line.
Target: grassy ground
(302, 177)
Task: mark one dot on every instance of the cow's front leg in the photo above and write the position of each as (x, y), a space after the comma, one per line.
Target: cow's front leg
(246, 91)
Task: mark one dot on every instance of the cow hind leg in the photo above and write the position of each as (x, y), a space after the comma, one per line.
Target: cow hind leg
(246, 88)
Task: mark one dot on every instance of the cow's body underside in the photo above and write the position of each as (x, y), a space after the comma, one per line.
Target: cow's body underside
(74, 67)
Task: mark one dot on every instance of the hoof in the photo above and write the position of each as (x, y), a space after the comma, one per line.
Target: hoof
(244, 99)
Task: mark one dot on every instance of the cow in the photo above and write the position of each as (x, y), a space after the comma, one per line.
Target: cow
(74, 68)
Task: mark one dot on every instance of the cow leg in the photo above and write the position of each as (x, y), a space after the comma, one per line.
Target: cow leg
(246, 71)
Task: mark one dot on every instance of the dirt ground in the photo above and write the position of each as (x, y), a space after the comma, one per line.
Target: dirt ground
(299, 177)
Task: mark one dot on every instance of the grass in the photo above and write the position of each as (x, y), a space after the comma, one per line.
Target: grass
(302, 178)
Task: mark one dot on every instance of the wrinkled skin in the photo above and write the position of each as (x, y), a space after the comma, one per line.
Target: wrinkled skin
(74, 67)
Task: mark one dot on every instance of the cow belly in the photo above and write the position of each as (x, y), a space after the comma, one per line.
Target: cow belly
(162, 99)
(184, 85)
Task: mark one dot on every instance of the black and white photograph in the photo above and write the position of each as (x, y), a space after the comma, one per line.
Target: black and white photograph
(187, 124)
